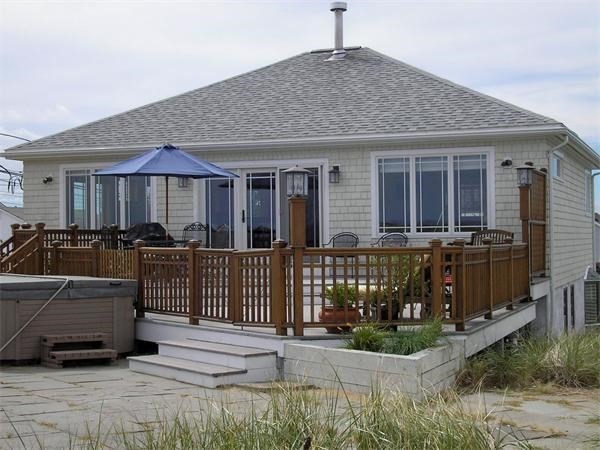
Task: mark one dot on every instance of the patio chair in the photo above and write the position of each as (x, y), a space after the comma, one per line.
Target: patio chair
(497, 236)
(392, 240)
(344, 239)
(197, 231)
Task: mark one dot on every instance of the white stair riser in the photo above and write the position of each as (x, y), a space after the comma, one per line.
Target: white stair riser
(220, 359)
(191, 377)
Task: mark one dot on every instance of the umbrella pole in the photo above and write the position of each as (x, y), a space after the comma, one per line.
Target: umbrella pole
(167, 205)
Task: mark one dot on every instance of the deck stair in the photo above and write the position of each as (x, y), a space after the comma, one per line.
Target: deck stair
(207, 364)
(59, 348)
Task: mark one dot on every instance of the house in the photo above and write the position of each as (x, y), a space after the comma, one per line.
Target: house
(415, 153)
(8, 216)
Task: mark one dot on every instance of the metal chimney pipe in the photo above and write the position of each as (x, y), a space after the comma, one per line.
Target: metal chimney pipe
(338, 9)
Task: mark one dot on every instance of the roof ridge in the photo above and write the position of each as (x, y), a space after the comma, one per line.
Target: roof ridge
(25, 144)
(460, 86)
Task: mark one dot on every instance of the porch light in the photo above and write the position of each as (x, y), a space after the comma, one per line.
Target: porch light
(334, 175)
(182, 182)
(296, 182)
(525, 175)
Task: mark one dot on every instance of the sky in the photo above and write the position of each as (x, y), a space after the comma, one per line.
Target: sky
(66, 63)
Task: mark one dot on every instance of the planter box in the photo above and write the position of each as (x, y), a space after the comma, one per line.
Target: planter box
(430, 370)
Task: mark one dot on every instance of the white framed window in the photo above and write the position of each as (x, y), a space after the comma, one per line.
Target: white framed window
(557, 166)
(432, 191)
(94, 202)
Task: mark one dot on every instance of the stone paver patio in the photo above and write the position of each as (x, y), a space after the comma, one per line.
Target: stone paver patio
(53, 408)
(64, 408)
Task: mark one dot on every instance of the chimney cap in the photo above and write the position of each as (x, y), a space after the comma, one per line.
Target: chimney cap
(338, 6)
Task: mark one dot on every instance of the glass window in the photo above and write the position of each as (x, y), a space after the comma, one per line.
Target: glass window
(107, 201)
(470, 192)
(219, 213)
(78, 197)
(94, 202)
(394, 195)
(137, 200)
(556, 167)
(446, 198)
(432, 194)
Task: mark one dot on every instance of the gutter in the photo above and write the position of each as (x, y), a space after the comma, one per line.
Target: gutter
(550, 304)
(297, 143)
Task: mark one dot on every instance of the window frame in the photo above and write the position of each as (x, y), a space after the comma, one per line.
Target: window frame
(449, 153)
(559, 158)
(62, 204)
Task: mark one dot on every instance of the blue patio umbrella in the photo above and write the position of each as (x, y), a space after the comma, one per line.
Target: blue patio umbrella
(168, 161)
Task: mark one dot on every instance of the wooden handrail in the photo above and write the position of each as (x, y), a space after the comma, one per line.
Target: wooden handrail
(285, 287)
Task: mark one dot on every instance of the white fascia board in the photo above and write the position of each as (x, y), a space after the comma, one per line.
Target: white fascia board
(297, 143)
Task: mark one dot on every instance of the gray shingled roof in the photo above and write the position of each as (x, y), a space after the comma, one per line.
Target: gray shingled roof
(303, 96)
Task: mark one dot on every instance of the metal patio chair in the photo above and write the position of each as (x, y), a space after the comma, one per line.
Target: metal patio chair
(395, 239)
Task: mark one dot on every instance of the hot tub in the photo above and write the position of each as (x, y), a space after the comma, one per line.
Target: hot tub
(85, 305)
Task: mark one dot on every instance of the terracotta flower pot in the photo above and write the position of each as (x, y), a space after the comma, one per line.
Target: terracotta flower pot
(331, 314)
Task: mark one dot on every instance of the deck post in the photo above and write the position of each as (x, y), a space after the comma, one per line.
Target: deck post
(114, 236)
(39, 232)
(14, 227)
(298, 244)
(511, 275)
(54, 263)
(73, 235)
(488, 242)
(278, 303)
(461, 300)
(235, 288)
(192, 282)
(138, 274)
(96, 244)
(437, 281)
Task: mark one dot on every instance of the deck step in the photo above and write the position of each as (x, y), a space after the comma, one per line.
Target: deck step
(195, 372)
(228, 355)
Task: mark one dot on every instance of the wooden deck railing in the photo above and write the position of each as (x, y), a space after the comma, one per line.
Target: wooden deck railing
(259, 287)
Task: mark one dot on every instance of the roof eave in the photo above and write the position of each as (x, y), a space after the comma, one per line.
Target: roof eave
(310, 142)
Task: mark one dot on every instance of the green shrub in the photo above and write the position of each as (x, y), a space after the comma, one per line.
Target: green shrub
(367, 337)
(338, 294)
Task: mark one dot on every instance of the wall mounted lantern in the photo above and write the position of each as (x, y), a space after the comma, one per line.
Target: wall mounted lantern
(296, 182)
(334, 175)
(525, 175)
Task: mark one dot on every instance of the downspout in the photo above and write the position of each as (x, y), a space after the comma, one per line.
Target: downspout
(549, 311)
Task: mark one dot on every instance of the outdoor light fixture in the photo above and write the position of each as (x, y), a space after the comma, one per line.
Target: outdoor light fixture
(525, 175)
(182, 182)
(334, 174)
(47, 179)
(296, 182)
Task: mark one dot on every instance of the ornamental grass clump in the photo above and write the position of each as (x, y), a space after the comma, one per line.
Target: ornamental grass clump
(414, 340)
(373, 338)
(570, 360)
(368, 338)
(301, 419)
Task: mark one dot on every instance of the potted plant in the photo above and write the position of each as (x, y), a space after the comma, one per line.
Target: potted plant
(342, 308)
